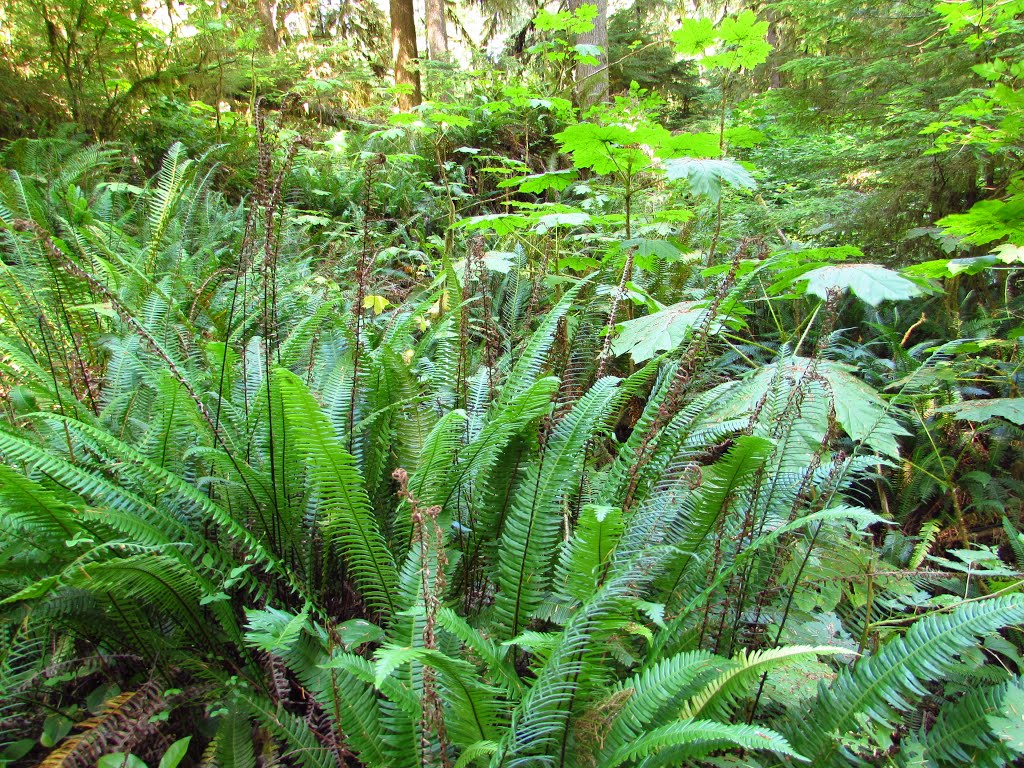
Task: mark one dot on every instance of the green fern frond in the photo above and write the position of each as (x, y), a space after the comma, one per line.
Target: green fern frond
(528, 365)
(654, 695)
(341, 496)
(587, 554)
(527, 545)
(694, 739)
(719, 696)
(886, 683)
(962, 734)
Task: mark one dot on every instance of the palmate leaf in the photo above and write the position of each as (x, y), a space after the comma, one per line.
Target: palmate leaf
(666, 329)
(860, 410)
(988, 221)
(1009, 408)
(541, 182)
(342, 501)
(886, 683)
(707, 176)
(1008, 723)
(871, 283)
(501, 223)
(610, 148)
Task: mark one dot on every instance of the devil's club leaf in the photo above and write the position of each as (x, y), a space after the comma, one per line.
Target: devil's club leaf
(706, 177)
(869, 282)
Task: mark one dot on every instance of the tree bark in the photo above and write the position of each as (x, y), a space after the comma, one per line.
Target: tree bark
(591, 79)
(267, 10)
(437, 31)
(403, 52)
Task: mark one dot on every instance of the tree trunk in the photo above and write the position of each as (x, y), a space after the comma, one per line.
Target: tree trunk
(591, 79)
(437, 32)
(403, 52)
(267, 10)
(775, 40)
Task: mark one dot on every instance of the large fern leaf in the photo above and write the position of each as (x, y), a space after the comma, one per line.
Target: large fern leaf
(886, 683)
(341, 497)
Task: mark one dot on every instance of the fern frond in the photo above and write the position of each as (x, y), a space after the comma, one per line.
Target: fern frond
(528, 365)
(341, 496)
(694, 739)
(527, 545)
(963, 735)
(587, 554)
(885, 683)
(654, 694)
(719, 696)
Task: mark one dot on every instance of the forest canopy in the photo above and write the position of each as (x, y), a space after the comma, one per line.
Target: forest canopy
(458, 384)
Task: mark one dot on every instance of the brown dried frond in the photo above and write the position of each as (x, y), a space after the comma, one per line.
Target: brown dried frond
(593, 726)
(123, 725)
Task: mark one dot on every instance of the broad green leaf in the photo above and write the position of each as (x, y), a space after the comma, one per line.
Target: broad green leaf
(945, 268)
(649, 251)
(666, 329)
(501, 223)
(705, 176)
(871, 283)
(500, 261)
(120, 760)
(355, 632)
(553, 220)
(1009, 408)
(1008, 724)
(55, 727)
(175, 753)
(541, 182)
(861, 412)
(743, 136)
(610, 148)
(694, 37)
(988, 221)
(690, 145)
(1008, 253)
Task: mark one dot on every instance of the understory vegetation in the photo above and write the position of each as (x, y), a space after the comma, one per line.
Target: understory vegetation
(682, 428)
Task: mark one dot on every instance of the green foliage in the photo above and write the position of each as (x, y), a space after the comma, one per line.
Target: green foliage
(496, 434)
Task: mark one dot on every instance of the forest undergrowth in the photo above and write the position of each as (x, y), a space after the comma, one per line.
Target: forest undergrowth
(504, 433)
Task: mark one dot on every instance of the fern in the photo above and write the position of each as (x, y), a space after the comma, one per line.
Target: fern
(694, 739)
(341, 498)
(527, 542)
(963, 734)
(884, 684)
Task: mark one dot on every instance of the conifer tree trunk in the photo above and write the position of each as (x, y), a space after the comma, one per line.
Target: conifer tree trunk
(403, 51)
(437, 31)
(267, 10)
(591, 79)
